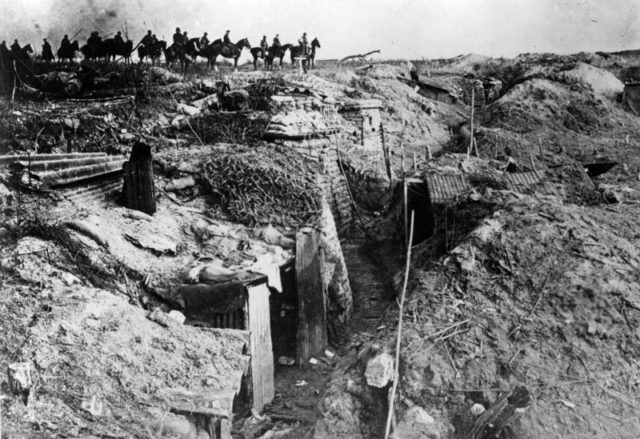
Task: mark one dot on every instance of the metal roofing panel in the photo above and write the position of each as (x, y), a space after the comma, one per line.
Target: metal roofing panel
(444, 188)
(523, 180)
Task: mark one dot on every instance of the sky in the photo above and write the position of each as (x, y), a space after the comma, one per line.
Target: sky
(412, 29)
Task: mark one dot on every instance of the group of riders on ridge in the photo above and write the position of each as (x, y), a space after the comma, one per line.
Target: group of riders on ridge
(183, 49)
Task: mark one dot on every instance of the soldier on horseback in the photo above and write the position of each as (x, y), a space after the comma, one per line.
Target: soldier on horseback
(65, 44)
(226, 40)
(204, 41)
(94, 39)
(118, 39)
(15, 47)
(264, 46)
(304, 44)
(276, 41)
(147, 40)
(47, 53)
(178, 38)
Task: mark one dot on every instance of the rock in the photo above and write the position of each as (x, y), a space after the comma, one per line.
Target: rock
(180, 183)
(379, 370)
(207, 102)
(272, 236)
(162, 318)
(286, 361)
(188, 109)
(177, 316)
(416, 424)
(136, 215)
(477, 409)
(22, 379)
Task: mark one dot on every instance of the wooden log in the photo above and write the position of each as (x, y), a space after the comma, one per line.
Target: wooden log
(138, 190)
(501, 414)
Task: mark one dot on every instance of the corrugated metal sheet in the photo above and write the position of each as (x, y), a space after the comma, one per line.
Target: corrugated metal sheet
(446, 188)
(523, 180)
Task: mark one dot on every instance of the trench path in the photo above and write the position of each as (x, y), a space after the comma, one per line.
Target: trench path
(299, 391)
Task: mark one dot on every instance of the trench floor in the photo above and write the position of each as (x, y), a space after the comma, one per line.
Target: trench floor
(294, 410)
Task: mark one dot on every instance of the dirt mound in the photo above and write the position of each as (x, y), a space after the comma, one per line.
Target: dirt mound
(600, 81)
(541, 295)
(545, 103)
(104, 367)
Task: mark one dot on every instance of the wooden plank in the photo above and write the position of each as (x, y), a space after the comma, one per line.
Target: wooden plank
(261, 349)
(311, 337)
(501, 414)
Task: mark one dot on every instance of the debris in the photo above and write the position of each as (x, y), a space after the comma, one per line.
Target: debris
(95, 405)
(22, 379)
(301, 383)
(360, 55)
(89, 230)
(329, 354)
(188, 109)
(567, 404)
(379, 370)
(137, 215)
(313, 361)
(162, 318)
(177, 316)
(286, 361)
(209, 102)
(138, 190)
(477, 409)
(272, 236)
(158, 244)
(180, 184)
(502, 413)
(416, 423)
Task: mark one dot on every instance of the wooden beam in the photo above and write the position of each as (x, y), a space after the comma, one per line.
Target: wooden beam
(501, 414)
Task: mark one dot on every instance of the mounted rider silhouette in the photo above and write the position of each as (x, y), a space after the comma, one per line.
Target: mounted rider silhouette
(276, 41)
(65, 44)
(304, 44)
(94, 39)
(178, 38)
(118, 39)
(204, 41)
(47, 53)
(147, 40)
(15, 47)
(226, 40)
(264, 46)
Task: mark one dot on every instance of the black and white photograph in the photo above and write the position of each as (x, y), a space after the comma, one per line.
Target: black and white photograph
(320, 219)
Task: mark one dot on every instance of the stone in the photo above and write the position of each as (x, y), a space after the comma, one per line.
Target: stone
(416, 423)
(177, 316)
(379, 370)
(188, 109)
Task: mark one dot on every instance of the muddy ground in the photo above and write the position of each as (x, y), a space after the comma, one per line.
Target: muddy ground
(537, 288)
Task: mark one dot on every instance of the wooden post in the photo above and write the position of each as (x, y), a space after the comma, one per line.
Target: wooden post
(406, 213)
(138, 190)
(473, 95)
(506, 410)
(311, 336)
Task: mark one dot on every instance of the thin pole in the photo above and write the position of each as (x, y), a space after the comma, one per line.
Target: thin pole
(394, 387)
(406, 212)
(473, 97)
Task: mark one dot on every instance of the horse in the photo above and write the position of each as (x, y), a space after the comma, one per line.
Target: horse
(152, 51)
(95, 51)
(213, 50)
(257, 53)
(186, 54)
(113, 48)
(69, 52)
(296, 52)
(276, 52)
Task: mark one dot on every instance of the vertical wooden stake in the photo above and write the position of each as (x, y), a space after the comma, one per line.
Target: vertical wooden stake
(406, 212)
(415, 166)
(539, 146)
(473, 97)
